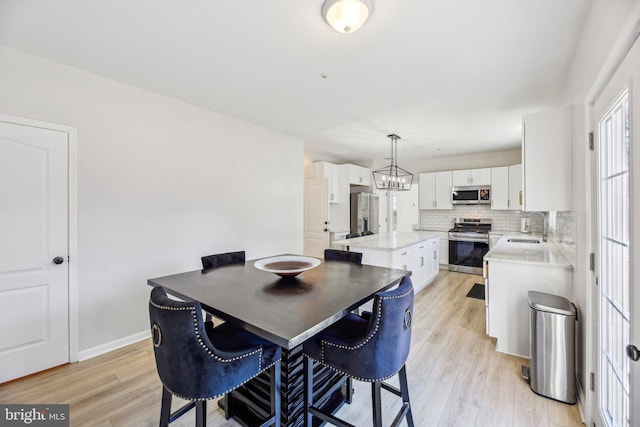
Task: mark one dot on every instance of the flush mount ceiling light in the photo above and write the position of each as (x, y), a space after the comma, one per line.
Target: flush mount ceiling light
(392, 177)
(346, 16)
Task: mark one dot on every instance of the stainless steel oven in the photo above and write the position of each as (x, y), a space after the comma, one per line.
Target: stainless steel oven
(468, 244)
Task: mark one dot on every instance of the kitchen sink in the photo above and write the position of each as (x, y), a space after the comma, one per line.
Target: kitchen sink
(523, 240)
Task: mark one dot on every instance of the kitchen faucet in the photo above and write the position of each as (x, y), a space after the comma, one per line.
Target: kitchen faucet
(544, 224)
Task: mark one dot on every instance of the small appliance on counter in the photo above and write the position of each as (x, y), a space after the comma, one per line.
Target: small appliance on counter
(525, 225)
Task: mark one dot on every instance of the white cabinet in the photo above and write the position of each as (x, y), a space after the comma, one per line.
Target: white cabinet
(516, 194)
(506, 287)
(500, 188)
(358, 175)
(471, 177)
(420, 258)
(546, 158)
(506, 187)
(332, 173)
(435, 190)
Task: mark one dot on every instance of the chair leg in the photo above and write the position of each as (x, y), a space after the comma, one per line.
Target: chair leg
(227, 406)
(308, 391)
(276, 404)
(348, 397)
(201, 413)
(165, 407)
(404, 389)
(376, 403)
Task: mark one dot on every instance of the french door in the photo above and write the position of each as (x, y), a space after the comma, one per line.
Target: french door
(617, 119)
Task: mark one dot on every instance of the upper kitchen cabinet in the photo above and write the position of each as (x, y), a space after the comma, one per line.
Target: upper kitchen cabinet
(461, 178)
(332, 173)
(500, 188)
(435, 190)
(358, 175)
(546, 154)
(506, 188)
(516, 193)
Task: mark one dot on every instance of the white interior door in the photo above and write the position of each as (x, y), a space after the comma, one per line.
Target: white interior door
(617, 121)
(316, 216)
(34, 291)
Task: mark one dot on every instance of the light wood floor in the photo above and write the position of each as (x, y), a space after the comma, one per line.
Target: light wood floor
(456, 378)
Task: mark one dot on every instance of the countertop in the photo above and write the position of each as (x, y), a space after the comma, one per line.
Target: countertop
(388, 241)
(543, 253)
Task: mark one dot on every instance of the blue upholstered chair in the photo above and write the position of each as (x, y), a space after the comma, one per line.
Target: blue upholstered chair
(218, 260)
(198, 362)
(372, 347)
(346, 256)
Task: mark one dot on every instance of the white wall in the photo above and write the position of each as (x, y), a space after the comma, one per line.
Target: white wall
(160, 183)
(606, 22)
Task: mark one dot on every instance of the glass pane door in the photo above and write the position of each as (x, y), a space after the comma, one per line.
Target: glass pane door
(613, 178)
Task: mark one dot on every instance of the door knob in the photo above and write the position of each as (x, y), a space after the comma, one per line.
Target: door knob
(633, 353)
(58, 260)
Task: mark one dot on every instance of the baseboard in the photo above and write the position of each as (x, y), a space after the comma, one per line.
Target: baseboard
(113, 345)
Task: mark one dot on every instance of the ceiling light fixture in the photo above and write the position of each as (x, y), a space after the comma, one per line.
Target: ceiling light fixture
(346, 16)
(392, 177)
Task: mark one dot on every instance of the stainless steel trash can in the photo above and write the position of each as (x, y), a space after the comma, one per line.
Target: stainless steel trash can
(552, 344)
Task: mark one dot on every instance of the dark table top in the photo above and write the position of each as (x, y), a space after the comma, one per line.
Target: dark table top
(283, 311)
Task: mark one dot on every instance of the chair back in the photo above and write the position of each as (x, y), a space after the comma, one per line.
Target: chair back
(352, 235)
(346, 256)
(367, 233)
(188, 363)
(218, 260)
(391, 320)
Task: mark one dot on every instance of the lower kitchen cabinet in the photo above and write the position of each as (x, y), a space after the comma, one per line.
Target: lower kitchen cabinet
(511, 270)
(419, 255)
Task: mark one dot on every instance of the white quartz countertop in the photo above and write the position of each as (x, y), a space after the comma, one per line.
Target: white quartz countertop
(543, 253)
(388, 241)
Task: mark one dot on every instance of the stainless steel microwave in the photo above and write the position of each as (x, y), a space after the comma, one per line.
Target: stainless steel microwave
(471, 195)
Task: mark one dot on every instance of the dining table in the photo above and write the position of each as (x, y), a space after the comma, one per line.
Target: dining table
(286, 311)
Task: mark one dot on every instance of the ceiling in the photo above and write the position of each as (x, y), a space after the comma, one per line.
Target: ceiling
(451, 77)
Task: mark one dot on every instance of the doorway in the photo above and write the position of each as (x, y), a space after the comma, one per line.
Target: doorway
(616, 237)
(38, 320)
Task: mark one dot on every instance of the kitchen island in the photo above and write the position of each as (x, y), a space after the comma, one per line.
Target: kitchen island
(516, 265)
(416, 251)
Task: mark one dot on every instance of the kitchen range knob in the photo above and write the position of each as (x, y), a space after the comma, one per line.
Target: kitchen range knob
(633, 353)
(58, 260)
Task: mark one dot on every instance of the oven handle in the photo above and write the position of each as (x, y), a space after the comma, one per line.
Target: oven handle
(468, 239)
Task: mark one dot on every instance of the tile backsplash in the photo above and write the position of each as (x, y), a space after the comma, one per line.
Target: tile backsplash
(561, 225)
(502, 221)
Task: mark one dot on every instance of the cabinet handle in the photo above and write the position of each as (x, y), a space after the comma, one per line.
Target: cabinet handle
(403, 254)
(520, 195)
(421, 261)
(435, 255)
(331, 196)
(420, 247)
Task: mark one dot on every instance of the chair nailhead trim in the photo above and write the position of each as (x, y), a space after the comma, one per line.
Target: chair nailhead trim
(223, 393)
(368, 380)
(363, 343)
(210, 353)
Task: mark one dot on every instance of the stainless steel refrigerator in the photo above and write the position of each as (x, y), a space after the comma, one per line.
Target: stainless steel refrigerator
(364, 213)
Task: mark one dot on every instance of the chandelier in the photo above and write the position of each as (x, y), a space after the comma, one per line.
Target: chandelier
(393, 177)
